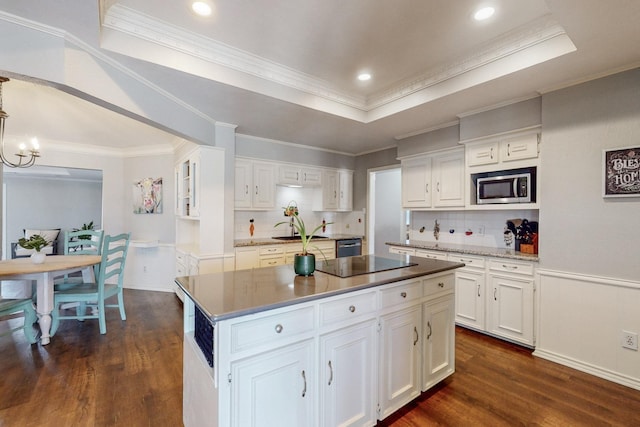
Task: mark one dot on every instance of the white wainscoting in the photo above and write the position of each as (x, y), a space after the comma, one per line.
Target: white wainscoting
(580, 324)
(150, 267)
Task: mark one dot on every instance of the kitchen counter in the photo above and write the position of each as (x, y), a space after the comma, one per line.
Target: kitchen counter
(237, 293)
(467, 249)
(270, 241)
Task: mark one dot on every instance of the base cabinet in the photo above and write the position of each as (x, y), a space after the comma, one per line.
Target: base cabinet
(274, 389)
(400, 359)
(346, 360)
(439, 341)
(347, 376)
(510, 311)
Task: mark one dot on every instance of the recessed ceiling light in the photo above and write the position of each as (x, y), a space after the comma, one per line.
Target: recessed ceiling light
(363, 77)
(484, 13)
(201, 8)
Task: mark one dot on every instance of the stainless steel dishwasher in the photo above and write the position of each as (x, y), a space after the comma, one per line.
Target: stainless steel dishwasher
(348, 247)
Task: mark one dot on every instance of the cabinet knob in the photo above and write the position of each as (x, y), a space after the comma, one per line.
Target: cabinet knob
(441, 284)
(403, 294)
(278, 328)
(352, 308)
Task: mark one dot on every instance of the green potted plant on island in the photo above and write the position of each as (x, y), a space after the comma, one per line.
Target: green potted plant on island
(304, 263)
(35, 242)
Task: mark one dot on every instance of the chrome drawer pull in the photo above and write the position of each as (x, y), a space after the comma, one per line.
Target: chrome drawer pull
(352, 308)
(330, 373)
(415, 331)
(513, 267)
(304, 390)
(403, 294)
(278, 328)
(429, 325)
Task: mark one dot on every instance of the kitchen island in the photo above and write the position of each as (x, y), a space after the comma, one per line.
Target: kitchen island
(348, 346)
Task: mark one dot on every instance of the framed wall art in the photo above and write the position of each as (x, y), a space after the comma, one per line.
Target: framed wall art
(621, 172)
(147, 196)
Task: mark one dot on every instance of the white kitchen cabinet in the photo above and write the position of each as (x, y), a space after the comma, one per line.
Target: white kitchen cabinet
(434, 180)
(439, 341)
(274, 388)
(247, 257)
(486, 153)
(336, 191)
(347, 376)
(448, 179)
(255, 186)
(519, 147)
(299, 175)
(470, 292)
(510, 301)
(423, 253)
(187, 177)
(402, 250)
(345, 191)
(400, 358)
(496, 153)
(416, 182)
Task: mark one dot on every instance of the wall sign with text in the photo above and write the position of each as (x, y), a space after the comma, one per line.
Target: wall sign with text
(621, 172)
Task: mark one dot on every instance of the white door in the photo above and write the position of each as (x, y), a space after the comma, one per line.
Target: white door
(387, 219)
(470, 299)
(510, 308)
(439, 341)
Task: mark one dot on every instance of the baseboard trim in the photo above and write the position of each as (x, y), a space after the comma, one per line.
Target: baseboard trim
(588, 368)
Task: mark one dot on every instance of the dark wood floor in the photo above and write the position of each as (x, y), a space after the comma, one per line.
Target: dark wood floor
(132, 376)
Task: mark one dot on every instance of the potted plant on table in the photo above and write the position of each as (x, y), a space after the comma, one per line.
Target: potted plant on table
(35, 242)
(304, 263)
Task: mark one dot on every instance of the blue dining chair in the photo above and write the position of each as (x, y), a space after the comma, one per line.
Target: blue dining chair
(25, 305)
(80, 242)
(111, 269)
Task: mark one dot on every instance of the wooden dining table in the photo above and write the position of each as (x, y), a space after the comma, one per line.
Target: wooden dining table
(53, 266)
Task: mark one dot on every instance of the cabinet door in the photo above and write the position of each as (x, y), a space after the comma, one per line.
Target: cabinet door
(330, 187)
(416, 182)
(289, 175)
(448, 179)
(399, 359)
(177, 195)
(311, 177)
(194, 186)
(439, 341)
(510, 308)
(247, 258)
(264, 189)
(482, 154)
(243, 184)
(347, 376)
(519, 147)
(470, 298)
(275, 388)
(345, 195)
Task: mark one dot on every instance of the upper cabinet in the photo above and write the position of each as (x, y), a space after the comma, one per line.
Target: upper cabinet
(498, 153)
(187, 186)
(255, 186)
(298, 175)
(336, 191)
(433, 180)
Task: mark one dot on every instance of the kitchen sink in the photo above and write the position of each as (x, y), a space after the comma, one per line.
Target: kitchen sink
(296, 238)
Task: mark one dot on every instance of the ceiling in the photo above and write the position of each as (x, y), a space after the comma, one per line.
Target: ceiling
(287, 70)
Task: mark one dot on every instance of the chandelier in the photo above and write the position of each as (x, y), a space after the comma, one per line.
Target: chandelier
(26, 157)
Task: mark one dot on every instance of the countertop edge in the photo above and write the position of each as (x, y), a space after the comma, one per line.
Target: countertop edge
(469, 250)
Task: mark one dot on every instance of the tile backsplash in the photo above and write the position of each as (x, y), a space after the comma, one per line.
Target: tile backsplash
(264, 221)
(486, 227)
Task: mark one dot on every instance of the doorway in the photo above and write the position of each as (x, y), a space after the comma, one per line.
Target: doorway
(387, 219)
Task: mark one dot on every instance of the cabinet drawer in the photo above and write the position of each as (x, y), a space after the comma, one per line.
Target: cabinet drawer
(272, 262)
(431, 254)
(437, 285)
(482, 154)
(524, 268)
(271, 250)
(347, 308)
(271, 329)
(401, 294)
(468, 260)
(181, 258)
(401, 251)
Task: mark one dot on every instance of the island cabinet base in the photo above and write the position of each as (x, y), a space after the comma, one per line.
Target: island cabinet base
(348, 359)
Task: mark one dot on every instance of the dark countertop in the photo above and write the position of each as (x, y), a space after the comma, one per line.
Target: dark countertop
(232, 294)
(467, 249)
(270, 241)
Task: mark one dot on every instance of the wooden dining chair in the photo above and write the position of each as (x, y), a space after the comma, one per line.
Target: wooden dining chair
(108, 284)
(25, 305)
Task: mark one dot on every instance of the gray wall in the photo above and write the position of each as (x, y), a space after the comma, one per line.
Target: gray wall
(519, 115)
(439, 139)
(45, 203)
(580, 231)
(365, 162)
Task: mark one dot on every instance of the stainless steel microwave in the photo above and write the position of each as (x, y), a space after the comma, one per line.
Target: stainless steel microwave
(514, 186)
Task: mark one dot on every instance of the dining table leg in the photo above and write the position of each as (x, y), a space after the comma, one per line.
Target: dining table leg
(44, 305)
